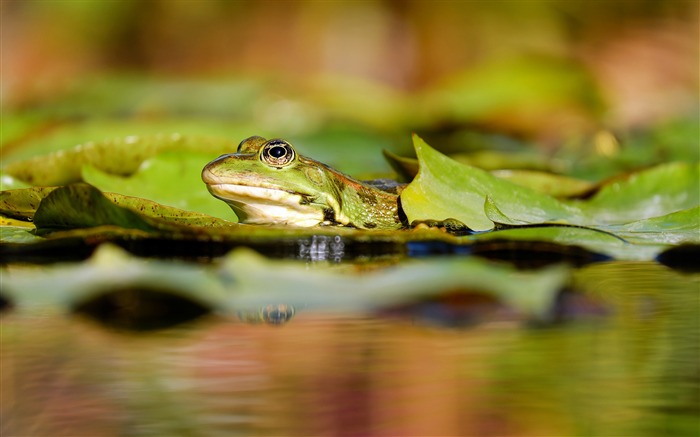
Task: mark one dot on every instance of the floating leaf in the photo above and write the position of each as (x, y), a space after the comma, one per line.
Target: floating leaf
(119, 156)
(83, 206)
(17, 234)
(654, 192)
(588, 238)
(548, 183)
(8, 182)
(405, 168)
(445, 189)
(22, 203)
(676, 228)
(171, 179)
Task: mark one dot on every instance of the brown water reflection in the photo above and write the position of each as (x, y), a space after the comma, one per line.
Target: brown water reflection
(632, 372)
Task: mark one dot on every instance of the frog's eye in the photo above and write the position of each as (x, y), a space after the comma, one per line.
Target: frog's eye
(277, 153)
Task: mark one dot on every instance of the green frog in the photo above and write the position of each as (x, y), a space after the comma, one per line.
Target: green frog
(268, 182)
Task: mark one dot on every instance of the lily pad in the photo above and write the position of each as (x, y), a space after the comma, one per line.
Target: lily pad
(83, 206)
(548, 183)
(658, 191)
(121, 156)
(445, 189)
(588, 238)
(678, 227)
(22, 203)
(8, 182)
(171, 179)
(17, 234)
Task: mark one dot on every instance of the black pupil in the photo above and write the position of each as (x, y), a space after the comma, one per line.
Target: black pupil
(277, 151)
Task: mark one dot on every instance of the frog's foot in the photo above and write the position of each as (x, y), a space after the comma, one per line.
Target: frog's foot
(449, 225)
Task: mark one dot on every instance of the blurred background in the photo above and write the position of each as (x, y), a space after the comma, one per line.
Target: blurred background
(583, 88)
(551, 74)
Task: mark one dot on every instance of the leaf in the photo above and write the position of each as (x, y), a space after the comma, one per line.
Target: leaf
(10, 183)
(23, 202)
(548, 183)
(83, 206)
(588, 238)
(121, 156)
(405, 168)
(171, 179)
(17, 234)
(658, 191)
(445, 189)
(675, 228)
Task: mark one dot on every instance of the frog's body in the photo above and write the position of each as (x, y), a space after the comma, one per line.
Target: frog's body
(267, 182)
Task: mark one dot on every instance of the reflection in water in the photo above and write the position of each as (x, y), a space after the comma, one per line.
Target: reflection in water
(633, 371)
(321, 248)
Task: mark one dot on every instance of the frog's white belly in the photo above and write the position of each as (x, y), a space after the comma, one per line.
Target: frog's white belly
(259, 205)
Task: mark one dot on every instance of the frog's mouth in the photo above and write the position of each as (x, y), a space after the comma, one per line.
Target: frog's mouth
(267, 205)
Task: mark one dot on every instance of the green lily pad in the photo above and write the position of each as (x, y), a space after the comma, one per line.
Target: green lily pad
(658, 191)
(445, 189)
(548, 183)
(171, 179)
(83, 206)
(17, 234)
(675, 228)
(8, 182)
(588, 238)
(23, 202)
(121, 156)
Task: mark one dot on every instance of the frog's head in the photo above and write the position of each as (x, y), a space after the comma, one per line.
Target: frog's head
(268, 182)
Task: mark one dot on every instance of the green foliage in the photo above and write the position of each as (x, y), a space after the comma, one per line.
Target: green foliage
(445, 189)
(121, 156)
(171, 179)
(66, 207)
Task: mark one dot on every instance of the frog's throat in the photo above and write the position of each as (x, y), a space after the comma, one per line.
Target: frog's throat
(261, 205)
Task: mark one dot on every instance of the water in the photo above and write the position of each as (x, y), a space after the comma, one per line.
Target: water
(630, 367)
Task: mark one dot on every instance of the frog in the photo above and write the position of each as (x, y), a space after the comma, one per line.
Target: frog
(269, 182)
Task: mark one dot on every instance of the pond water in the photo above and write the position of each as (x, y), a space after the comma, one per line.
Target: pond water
(628, 367)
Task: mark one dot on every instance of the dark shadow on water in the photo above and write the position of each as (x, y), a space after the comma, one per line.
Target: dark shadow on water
(685, 258)
(5, 304)
(140, 309)
(522, 254)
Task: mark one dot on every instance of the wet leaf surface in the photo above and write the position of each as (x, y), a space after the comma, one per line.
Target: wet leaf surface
(168, 179)
(121, 156)
(66, 207)
(445, 189)
(633, 208)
